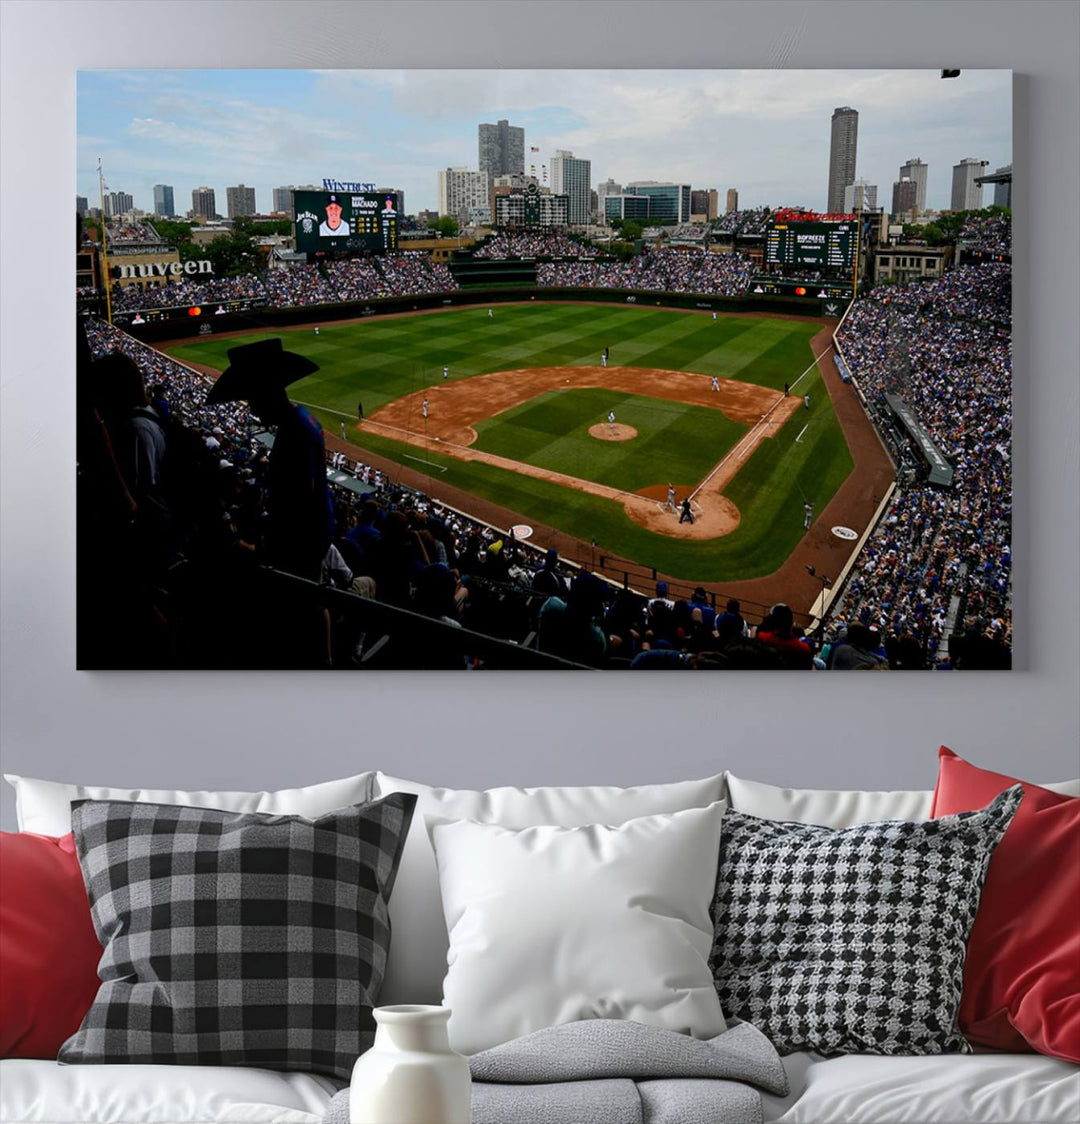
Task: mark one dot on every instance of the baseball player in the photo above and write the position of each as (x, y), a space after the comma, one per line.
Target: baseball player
(423, 409)
(806, 402)
(787, 389)
(490, 314)
(715, 383)
(316, 330)
(685, 512)
(342, 431)
(611, 420)
(714, 316)
(445, 373)
(670, 505)
(603, 358)
(809, 509)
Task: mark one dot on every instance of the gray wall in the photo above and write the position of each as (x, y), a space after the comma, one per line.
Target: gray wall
(244, 730)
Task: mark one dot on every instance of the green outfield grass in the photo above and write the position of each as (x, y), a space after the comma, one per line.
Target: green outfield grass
(378, 361)
(675, 441)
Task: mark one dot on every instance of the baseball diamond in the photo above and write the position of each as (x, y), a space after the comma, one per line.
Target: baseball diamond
(704, 400)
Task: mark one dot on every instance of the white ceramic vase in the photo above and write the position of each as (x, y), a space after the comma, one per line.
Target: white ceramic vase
(410, 1075)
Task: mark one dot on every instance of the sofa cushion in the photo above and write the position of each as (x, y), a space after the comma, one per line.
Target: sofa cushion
(955, 1089)
(1022, 975)
(48, 950)
(42, 1092)
(851, 941)
(551, 925)
(45, 806)
(236, 939)
(838, 807)
(417, 964)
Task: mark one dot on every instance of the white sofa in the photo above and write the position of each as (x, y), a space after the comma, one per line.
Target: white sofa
(976, 1088)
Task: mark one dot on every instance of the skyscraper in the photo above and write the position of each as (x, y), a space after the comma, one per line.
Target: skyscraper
(704, 201)
(732, 200)
(570, 177)
(283, 199)
(842, 149)
(163, 200)
(904, 193)
(1003, 191)
(118, 203)
(502, 149)
(608, 187)
(966, 193)
(203, 203)
(240, 200)
(81, 205)
(916, 171)
(460, 191)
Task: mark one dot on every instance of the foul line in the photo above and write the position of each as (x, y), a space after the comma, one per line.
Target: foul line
(801, 432)
(420, 460)
(753, 434)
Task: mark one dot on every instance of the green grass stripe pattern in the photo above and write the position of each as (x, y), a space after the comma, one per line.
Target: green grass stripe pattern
(379, 361)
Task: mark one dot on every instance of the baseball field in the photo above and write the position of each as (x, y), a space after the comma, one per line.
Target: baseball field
(523, 419)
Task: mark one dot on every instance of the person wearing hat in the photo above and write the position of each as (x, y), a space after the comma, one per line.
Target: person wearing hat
(300, 516)
(335, 226)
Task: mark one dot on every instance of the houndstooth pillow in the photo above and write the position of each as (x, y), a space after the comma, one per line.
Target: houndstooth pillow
(236, 939)
(851, 941)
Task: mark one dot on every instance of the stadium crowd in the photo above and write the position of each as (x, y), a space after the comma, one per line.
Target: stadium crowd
(990, 234)
(744, 224)
(121, 232)
(533, 244)
(392, 275)
(662, 270)
(939, 552)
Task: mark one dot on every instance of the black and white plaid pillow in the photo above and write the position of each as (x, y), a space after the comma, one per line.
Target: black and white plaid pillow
(236, 939)
(851, 941)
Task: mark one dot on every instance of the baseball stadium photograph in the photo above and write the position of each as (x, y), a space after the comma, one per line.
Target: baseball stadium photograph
(591, 369)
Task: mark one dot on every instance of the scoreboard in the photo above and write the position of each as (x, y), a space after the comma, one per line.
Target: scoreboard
(819, 245)
(345, 220)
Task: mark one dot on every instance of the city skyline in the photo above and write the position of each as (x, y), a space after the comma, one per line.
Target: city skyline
(764, 132)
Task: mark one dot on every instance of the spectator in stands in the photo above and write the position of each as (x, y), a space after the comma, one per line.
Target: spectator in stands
(300, 520)
(571, 627)
(856, 651)
(778, 634)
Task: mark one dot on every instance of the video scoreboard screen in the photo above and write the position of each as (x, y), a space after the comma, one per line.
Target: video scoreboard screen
(345, 220)
(819, 245)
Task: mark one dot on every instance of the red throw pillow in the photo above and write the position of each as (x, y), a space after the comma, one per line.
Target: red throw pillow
(48, 951)
(1022, 975)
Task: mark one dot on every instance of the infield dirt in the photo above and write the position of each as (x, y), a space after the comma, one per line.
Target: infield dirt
(455, 408)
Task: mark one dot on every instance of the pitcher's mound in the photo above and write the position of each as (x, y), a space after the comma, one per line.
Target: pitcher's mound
(614, 432)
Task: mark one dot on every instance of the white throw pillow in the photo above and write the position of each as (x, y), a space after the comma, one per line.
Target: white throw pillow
(839, 808)
(44, 807)
(418, 942)
(551, 925)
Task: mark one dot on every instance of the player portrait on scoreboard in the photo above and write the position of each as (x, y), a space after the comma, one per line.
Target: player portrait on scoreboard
(334, 226)
(388, 206)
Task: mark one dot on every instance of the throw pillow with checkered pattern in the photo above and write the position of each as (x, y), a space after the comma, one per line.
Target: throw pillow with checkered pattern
(236, 939)
(851, 941)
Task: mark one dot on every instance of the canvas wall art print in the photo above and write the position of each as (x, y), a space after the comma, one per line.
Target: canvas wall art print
(545, 370)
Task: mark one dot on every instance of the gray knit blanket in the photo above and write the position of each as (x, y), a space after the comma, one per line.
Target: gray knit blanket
(607, 1071)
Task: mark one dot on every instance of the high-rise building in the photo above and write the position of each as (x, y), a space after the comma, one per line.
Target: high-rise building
(240, 200)
(118, 203)
(916, 170)
(852, 192)
(842, 149)
(627, 207)
(570, 176)
(461, 190)
(732, 200)
(1003, 191)
(81, 205)
(502, 149)
(904, 194)
(163, 200)
(203, 204)
(283, 199)
(704, 202)
(669, 201)
(608, 187)
(966, 193)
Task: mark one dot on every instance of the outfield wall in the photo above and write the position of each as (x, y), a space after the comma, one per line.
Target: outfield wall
(270, 319)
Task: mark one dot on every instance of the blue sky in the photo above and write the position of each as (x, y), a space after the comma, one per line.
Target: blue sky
(765, 132)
